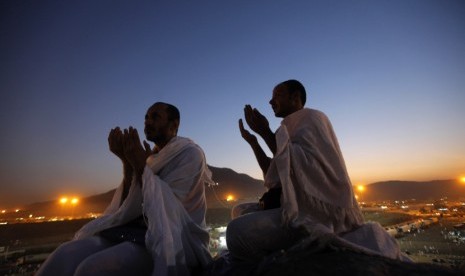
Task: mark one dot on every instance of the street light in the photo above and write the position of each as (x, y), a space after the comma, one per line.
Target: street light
(229, 197)
(63, 200)
(74, 202)
(360, 189)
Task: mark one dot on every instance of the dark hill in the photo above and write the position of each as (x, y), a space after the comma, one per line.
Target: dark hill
(404, 190)
(245, 188)
(241, 186)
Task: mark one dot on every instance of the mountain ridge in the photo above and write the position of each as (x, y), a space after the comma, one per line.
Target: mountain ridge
(242, 187)
(419, 190)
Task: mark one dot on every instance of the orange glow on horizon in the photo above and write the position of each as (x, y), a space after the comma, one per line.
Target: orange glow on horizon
(360, 188)
(63, 200)
(229, 197)
(462, 179)
(66, 200)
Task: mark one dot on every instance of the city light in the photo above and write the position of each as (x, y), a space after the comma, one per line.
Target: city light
(361, 189)
(230, 197)
(63, 200)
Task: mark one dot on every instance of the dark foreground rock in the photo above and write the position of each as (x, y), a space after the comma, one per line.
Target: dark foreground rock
(350, 263)
(327, 257)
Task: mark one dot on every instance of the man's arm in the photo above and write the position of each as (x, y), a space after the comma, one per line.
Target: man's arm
(127, 180)
(262, 159)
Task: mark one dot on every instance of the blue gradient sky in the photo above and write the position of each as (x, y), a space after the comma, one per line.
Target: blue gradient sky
(389, 74)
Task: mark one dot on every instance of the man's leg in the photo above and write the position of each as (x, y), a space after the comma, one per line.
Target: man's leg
(251, 237)
(66, 258)
(244, 208)
(126, 258)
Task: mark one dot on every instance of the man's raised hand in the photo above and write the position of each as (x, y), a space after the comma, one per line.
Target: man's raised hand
(134, 152)
(250, 138)
(115, 142)
(256, 121)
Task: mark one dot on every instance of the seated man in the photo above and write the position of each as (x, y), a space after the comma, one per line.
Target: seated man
(309, 172)
(155, 223)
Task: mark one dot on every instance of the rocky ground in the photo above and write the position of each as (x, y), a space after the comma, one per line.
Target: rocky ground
(432, 250)
(435, 244)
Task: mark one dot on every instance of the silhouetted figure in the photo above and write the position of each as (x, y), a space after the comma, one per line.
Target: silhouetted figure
(309, 177)
(155, 223)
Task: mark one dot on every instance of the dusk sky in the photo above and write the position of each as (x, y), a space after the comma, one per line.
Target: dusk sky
(389, 74)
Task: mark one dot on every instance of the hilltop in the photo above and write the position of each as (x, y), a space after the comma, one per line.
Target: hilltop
(406, 190)
(242, 188)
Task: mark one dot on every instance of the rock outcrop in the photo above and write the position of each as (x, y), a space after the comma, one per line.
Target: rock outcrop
(328, 256)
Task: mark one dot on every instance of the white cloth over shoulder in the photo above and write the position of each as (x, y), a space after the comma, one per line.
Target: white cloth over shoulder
(310, 168)
(173, 196)
(317, 192)
(372, 238)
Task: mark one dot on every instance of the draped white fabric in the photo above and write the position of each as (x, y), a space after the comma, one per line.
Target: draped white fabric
(373, 239)
(310, 168)
(174, 204)
(317, 192)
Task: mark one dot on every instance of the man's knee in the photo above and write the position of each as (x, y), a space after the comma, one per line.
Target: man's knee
(64, 252)
(235, 232)
(90, 266)
(244, 208)
(123, 259)
(63, 260)
(236, 211)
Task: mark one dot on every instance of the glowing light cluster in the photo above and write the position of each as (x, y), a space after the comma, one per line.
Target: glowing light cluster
(65, 200)
(360, 188)
(229, 197)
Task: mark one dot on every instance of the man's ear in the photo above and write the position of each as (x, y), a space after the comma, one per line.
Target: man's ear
(295, 98)
(174, 126)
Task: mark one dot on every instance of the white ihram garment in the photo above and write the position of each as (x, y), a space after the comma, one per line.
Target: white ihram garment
(173, 196)
(310, 168)
(317, 191)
